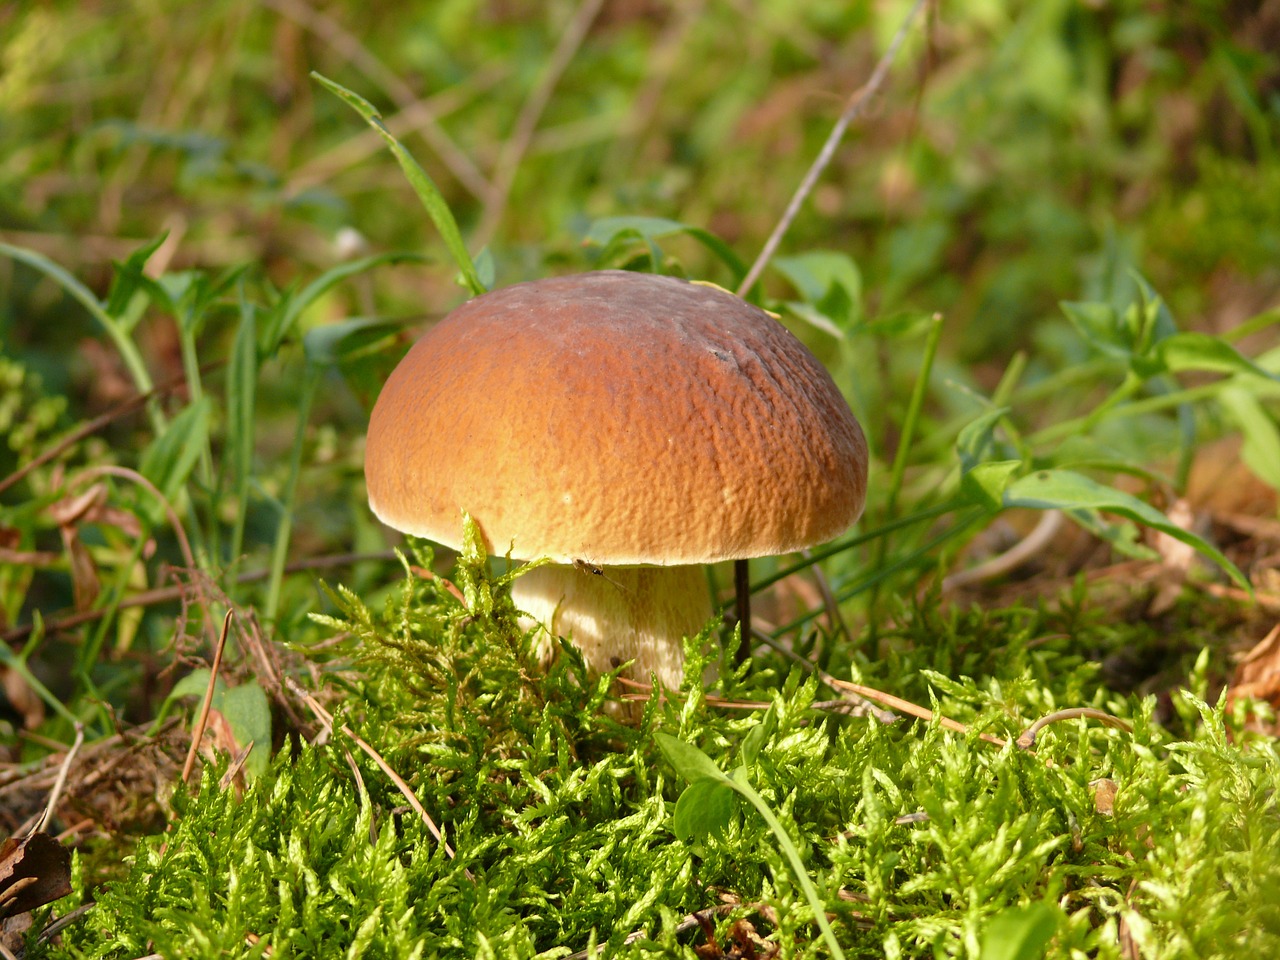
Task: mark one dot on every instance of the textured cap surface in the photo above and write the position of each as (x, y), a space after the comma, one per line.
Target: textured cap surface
(615, 418)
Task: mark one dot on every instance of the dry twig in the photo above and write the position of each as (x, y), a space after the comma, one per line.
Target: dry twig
(198, 734)
(853, 109)
(1028, 738)
(60, 784)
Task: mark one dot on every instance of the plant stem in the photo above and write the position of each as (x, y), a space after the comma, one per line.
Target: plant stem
(284, 530)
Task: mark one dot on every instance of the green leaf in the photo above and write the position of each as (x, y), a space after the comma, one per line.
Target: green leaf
(1200, 351)
(1065, 490)
(611, 232)
(814, 274)
(705, 809)
(986, 483)
(247, 710)
(977, 437)
(128, 276)
(830, 286)
(1102, 327)
(335, 342)
(170, 457)
(759, 735)
(1261, 451)
(195, 683)
(689, 762)
(1020, 933)
(426, 189)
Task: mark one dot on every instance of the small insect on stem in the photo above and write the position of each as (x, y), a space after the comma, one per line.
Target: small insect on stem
(596, 571)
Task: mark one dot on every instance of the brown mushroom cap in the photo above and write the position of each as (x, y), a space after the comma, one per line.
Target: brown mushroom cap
(616, 418)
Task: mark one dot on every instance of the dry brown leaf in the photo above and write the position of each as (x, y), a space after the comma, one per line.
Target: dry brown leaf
(22, 697)
(1257, 675)
(1104, 795)
(33, 871)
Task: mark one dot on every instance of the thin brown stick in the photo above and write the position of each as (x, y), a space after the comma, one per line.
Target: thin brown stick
(1028, 738)
(853, 109)
(235, 766)
(60, 784)
(326, 718)
(906, 706)
(516, 145)
(865, 705)
(198, 734)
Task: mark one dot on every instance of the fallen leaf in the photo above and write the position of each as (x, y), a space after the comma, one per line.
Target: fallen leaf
(1257, 675)
(1104, 795)
(33, 871)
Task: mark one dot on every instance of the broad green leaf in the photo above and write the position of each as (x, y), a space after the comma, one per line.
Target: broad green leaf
(486, 268)
(814, 274)
(249, 714)
(705, 809)
(195, 683)
(1124, 536)
(815, 318)
(1020, 933)
(986, 483)
(1065, 490)
(1261, 451)
(830, 287)
(169, 459)
(426, 189)
(1200, 351)
(1156, 322)
(689, 762)
(759, 735)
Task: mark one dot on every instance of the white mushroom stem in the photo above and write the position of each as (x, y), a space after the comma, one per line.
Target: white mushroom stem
(616, 614)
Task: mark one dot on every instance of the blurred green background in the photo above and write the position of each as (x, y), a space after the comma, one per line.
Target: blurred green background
(1022, 152)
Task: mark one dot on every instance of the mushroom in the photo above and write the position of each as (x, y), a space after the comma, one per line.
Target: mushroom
(628, 427)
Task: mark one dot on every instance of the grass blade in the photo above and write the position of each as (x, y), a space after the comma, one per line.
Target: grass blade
(421, 182)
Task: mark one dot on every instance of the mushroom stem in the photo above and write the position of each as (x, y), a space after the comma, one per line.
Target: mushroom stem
(616, 614)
